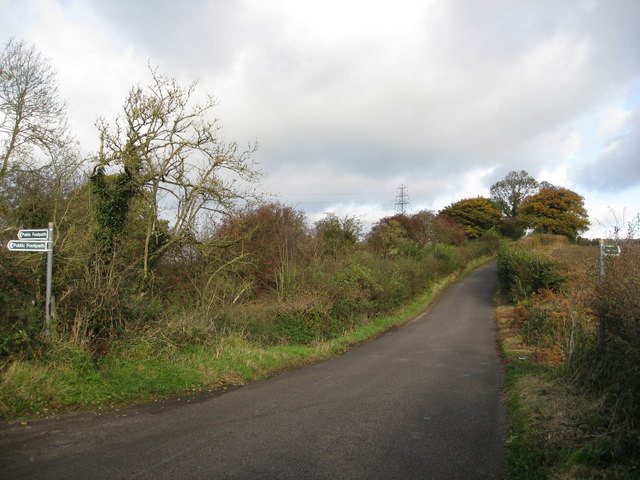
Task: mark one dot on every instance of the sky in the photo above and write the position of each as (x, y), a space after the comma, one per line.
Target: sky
(350, 100)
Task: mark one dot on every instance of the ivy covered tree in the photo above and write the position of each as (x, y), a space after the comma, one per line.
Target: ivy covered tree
(555, 210)
(476, 215)
(161, 169)
(169, 157)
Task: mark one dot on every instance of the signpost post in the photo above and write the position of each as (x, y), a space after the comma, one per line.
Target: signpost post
(40, 240)
(47, 304)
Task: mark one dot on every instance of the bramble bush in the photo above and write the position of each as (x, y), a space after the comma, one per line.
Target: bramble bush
(304, 322)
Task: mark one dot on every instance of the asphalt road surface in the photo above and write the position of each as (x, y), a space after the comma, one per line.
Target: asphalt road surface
(422, 401)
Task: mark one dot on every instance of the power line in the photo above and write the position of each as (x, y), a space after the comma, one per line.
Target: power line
(402, 199)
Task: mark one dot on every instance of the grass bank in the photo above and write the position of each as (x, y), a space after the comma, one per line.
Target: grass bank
(554, 427)
(139, 369)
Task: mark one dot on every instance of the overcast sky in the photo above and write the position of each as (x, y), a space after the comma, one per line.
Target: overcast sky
(349, 100)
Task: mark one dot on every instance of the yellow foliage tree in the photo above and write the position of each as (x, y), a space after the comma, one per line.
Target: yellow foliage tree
(555, 210)
(476, 215)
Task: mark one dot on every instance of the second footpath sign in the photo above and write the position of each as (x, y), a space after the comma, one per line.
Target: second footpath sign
(29, 246)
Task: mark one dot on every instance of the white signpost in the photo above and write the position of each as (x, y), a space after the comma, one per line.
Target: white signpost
(28, 245)
(41, 234)
(607, 250)
(40, 240)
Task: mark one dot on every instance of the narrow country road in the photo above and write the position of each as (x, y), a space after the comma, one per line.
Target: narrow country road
(420, 402)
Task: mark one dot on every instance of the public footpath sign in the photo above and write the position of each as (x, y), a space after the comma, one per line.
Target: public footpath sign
(29, 245)
(611, 250)
(39, 240)
(41, 234)
(607, 250)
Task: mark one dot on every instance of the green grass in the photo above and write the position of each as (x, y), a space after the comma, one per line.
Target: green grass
(138, 369)
(555, 430)
(526, 460)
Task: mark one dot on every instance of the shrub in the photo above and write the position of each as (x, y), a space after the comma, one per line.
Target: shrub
(605, 358)
(354, 285)
(409, 235)
(303, 320)
(393, 288)
(449, 257)
(20, 318)
(490, 242)
(521, 273)
(272, 237)
(616, 303)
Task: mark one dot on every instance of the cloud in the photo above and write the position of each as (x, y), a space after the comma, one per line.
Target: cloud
(618, 167)
(444, 96)
(198, 33)
(435, 91)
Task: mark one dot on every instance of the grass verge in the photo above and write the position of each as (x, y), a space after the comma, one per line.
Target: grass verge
(136, 370)
(556, 431)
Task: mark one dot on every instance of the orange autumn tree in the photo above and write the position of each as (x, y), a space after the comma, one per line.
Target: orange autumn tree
(555, 210)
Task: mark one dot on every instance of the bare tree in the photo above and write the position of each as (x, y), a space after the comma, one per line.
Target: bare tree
(170, 154)
(510, 192)
(31, 115)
